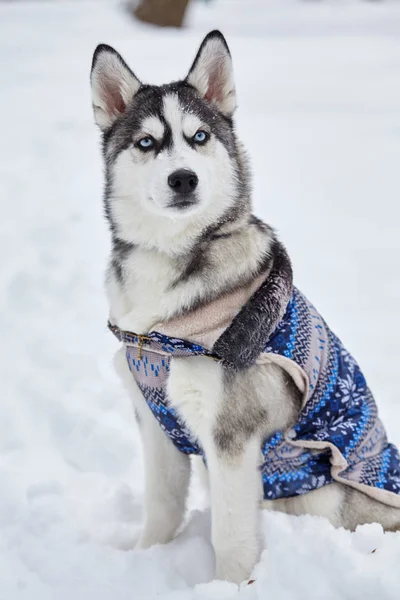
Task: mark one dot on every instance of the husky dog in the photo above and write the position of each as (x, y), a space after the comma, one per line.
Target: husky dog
(187, 252)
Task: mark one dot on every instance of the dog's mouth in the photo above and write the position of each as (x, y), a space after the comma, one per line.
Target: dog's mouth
(183, 202)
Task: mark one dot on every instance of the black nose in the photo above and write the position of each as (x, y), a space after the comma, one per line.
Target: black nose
(183, 181)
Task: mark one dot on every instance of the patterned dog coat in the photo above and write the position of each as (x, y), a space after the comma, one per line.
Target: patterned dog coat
(338, 435)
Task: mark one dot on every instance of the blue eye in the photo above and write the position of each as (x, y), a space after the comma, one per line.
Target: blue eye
(146, 143)
(200, 137)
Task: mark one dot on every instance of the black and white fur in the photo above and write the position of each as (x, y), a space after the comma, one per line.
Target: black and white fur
(179, 210)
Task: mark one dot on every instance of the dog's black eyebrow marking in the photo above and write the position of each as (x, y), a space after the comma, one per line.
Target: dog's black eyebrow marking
(167, 139)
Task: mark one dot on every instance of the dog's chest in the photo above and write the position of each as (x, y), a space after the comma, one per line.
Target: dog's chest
(146, 294)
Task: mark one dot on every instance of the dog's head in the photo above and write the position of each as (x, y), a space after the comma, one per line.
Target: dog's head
(173, 164)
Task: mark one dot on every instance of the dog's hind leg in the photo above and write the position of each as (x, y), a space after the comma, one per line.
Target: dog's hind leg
(342, 505)
(167, 470)
(360, 509)
(328, 502)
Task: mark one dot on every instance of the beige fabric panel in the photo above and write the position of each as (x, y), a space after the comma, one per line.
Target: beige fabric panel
(204, 325)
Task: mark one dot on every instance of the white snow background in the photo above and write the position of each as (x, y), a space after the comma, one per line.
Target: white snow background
(319, 109)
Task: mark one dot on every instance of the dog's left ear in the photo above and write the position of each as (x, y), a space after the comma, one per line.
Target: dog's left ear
(212, 75)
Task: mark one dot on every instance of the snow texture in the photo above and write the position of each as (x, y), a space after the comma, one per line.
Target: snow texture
(319, 95)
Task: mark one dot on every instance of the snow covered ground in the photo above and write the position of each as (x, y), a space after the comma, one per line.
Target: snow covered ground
(319, 94)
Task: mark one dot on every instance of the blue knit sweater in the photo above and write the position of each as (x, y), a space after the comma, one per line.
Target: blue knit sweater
(338, 435)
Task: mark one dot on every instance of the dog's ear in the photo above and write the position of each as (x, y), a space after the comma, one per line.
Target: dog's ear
(212, 74)
(113, 85)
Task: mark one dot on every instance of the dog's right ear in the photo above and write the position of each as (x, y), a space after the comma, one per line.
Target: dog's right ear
(113, 85)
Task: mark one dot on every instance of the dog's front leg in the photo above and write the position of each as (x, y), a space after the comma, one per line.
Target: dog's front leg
(235, 497)
(167, 474)
(167, 470)
(196, 390)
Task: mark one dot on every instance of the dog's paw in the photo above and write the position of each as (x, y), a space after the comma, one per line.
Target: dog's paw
(236, 564)
(232, 570)
(153, 537)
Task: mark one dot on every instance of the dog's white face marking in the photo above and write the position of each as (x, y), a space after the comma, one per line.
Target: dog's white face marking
(173, 115)
(191, 124)
(143, 203)
(153, 127)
